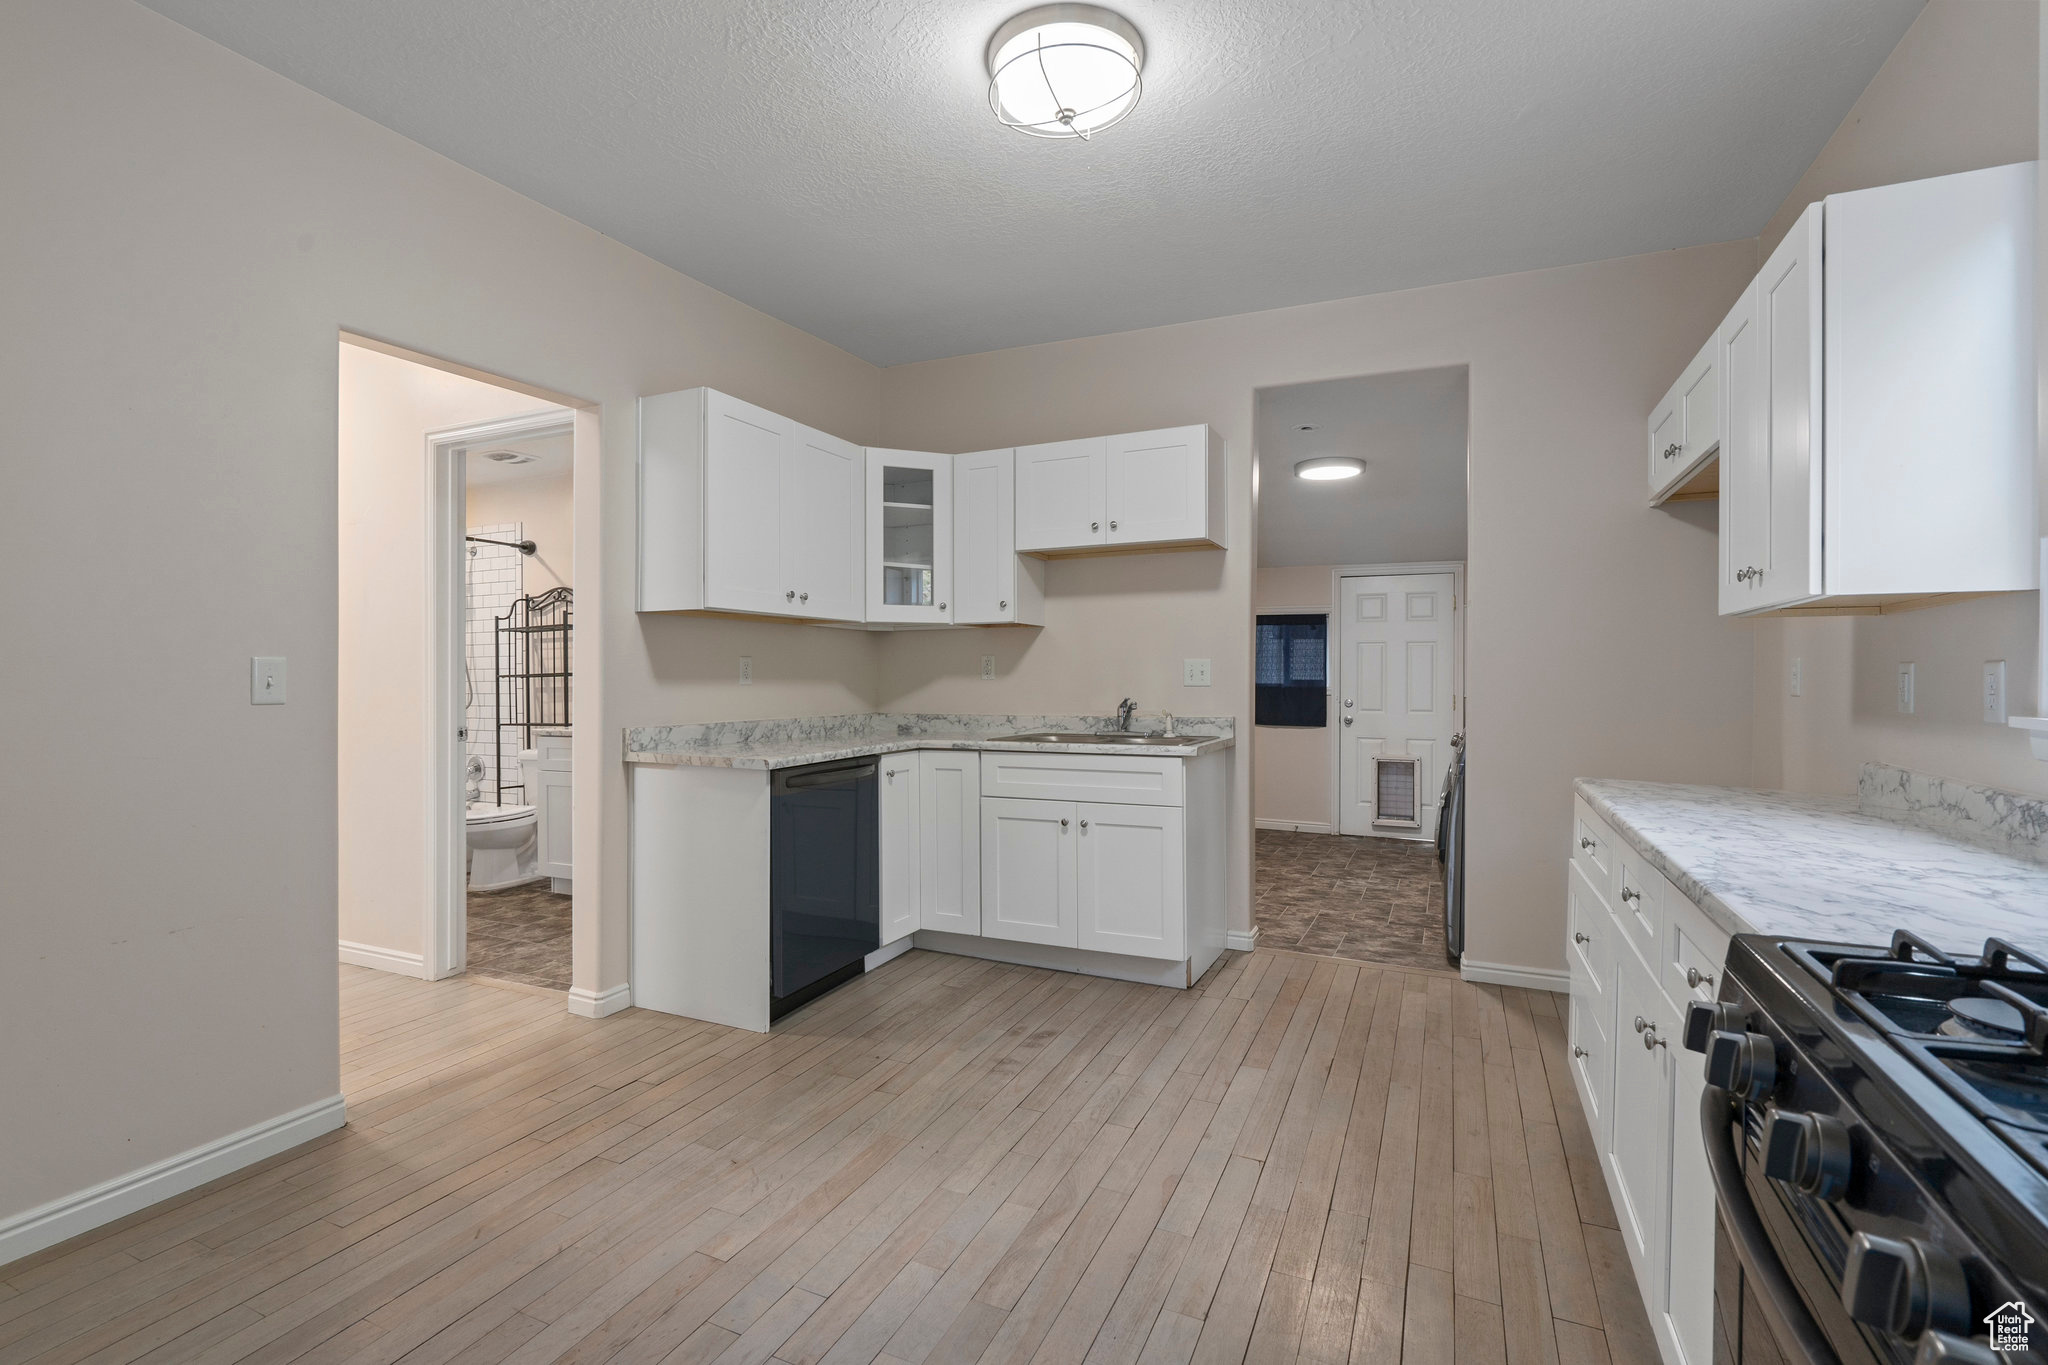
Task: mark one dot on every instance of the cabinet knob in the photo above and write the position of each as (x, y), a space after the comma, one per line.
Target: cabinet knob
(1095, 526)
(1112, 525)
(1651, 1042)
(1578, 1051)
(1672, 449)
(1084, 824)
(1696, 978)
(1578, 937)
(1641, 1023)
(789, 596)
(1631, 896)
(1585, 841)
(1002, 606)
(1063, 822)
(942, 606)
(803, 597)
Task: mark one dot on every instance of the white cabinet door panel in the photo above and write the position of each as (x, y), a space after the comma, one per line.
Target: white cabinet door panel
(1789, 309)
(743, 518)
(556, 800)
(899, 816)
(1061, 494)
(949, 841)
(1745, 511)
(1132, 864)
(823, 479)
(1028, 879)
(985, 538)
(1638, 1153)
(1158, 486)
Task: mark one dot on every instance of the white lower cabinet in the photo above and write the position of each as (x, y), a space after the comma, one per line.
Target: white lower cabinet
(1131, 867)
(1029, 886)
(1632, 973)
(899, 815)
(949, 841)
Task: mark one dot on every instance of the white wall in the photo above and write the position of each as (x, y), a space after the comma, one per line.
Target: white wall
(190, 234)
(1593, 642)
(1291, 765)
(545, 507)
(1961, 91)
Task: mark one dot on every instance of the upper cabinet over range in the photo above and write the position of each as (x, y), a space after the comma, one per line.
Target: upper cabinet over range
(745, 511)
(1871, 401)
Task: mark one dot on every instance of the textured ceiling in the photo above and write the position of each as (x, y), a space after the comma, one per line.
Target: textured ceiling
(834, 162)
(1409, 505)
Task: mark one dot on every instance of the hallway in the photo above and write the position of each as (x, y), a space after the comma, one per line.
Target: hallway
(1370, 900)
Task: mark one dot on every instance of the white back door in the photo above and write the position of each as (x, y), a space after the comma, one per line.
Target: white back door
(1395, 635)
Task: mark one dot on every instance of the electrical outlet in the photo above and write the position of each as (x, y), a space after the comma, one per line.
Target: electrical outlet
(746, 669)
(988, 667)
(1195, 672)
(266, 680)
(1905, 689)
(1994, 692)
(1798, 676)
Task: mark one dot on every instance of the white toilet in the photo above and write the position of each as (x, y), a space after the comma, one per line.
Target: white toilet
(504, 846)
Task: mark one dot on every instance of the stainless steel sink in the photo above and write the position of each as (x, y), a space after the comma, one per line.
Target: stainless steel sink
(1115, 737)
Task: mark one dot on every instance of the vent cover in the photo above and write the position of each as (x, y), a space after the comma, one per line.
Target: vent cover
(1397, 792)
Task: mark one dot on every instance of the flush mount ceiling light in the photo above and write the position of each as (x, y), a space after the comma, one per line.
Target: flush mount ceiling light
(1064, 71)
(1330, 467)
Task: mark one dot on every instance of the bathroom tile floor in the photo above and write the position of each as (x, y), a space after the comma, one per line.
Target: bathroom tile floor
(1370, 900)
(520, 934)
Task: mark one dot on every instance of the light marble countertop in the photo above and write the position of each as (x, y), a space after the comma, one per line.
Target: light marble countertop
(1838, 868)
(552, 730)
(792, 742)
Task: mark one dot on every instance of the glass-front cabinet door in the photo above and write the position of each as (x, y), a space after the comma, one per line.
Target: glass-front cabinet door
(910, 537)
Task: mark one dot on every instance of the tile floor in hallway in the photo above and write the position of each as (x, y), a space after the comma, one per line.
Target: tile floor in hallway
(520, 934)
(1371, 900)
(1299, 1161)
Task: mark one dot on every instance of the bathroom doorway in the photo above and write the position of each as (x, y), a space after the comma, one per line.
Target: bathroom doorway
(457, 674)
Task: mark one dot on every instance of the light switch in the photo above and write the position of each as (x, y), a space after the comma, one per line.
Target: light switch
(746, 669)
(1905, 689)
(1195, 672)
(266, 680)
(988, 667)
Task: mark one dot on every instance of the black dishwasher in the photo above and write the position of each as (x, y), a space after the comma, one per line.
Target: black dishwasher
(824, 879)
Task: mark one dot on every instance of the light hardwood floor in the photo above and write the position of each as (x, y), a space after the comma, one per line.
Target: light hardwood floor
(946, 1161)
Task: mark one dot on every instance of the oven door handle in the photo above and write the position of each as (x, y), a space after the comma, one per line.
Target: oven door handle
(1791, 1323)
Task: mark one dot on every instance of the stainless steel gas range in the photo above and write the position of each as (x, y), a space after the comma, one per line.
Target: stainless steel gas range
(1876, 1125)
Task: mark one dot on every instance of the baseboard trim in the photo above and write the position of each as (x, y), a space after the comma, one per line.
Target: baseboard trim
(1528, 978)
(383, 959)
(889, 952)
(61, 1219)
(1297, 826)
(1242, 940)
(598, 1004)
(1116, 966)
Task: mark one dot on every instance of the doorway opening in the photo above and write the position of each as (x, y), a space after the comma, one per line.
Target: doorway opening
(1359, 613)
(458, 677)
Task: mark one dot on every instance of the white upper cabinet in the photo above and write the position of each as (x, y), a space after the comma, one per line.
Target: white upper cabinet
(1145, 489)
(993, 584)
(909, 537)
(1061, 491)
(745, 511)
(1878, 402)
(1685, 428)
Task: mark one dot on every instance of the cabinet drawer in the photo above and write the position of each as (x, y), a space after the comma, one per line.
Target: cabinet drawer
(1694, 948)
(1638, 902)
(1134, 780)
(554, 749)
(1593, 846)
(1592, 931)
(1589, 1029)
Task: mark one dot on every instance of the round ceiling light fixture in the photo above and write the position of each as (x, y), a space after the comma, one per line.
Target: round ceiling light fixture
(1325, 467)
(1064, 71)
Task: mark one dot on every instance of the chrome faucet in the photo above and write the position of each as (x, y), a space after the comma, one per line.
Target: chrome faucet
(1124, 709)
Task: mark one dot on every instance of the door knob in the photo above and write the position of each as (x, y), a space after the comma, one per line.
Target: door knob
(1347, 703)
(1349, 719)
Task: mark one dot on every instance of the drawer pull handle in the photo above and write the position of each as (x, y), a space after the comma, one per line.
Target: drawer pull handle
(1696, 978)
(1578, 1051)
(1578, 937)
(1584, 841)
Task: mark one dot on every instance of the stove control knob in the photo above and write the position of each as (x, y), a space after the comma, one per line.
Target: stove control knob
(1905, 1287)
(1939, 1348)
(1809, 1152)
(1745, 1063)
(1705, 1018)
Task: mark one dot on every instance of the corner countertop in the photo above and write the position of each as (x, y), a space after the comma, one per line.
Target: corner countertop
(1952, 863)
(790, 743)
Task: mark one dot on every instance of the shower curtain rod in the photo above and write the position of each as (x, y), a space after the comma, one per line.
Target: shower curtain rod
(525, 547)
